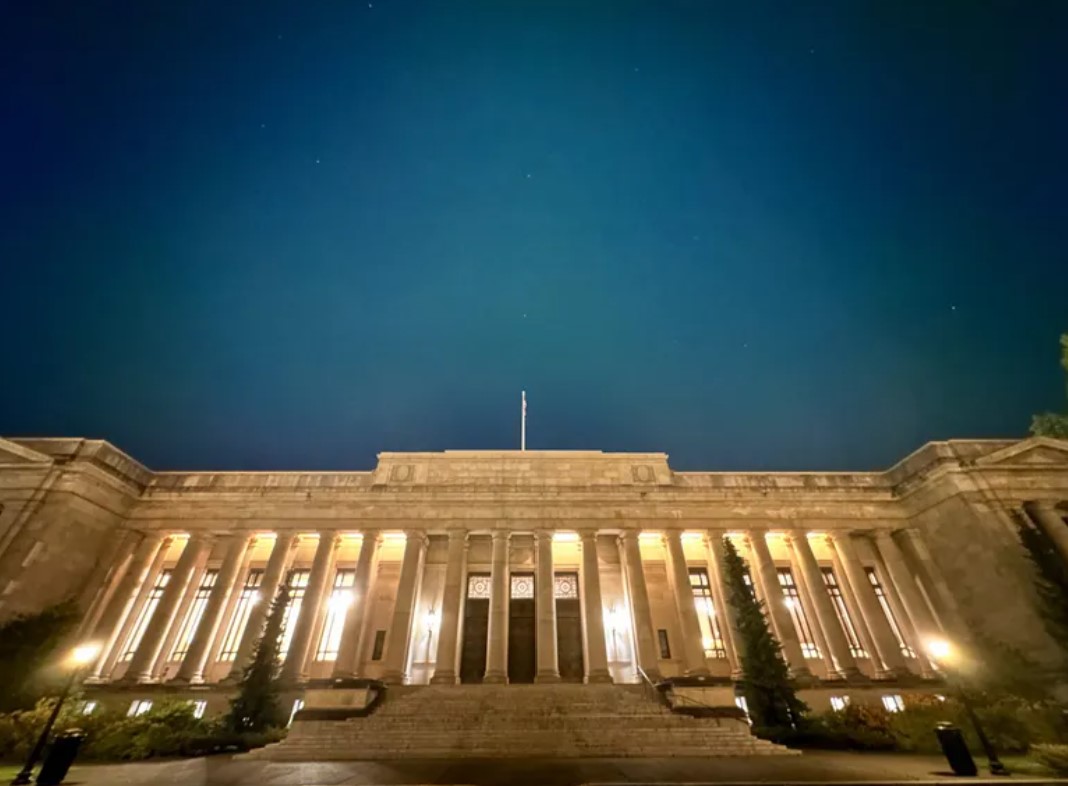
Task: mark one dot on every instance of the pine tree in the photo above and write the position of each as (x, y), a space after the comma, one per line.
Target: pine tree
(1053, 424)
(770, 694)
(1051, 579)
(256, 706)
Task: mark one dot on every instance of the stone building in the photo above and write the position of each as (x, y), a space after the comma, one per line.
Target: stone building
(537, 566)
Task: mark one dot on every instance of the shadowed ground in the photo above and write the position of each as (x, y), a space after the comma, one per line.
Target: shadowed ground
(811, 767)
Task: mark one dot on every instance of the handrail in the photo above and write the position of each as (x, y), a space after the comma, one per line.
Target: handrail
(661, 697)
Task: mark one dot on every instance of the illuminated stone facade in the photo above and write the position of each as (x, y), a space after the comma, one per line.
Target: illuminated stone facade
(507, 566)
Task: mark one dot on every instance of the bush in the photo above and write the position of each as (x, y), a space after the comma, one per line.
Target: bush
(28, 645)
(168, 729)
(1011, 725)
(1053, 756)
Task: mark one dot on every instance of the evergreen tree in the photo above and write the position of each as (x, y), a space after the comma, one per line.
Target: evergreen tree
(1051, 579)
(770, 694)
(27, 646)
(1053, 424)
(256, 706)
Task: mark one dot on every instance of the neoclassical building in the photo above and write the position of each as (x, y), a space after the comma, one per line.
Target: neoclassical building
(518, 567)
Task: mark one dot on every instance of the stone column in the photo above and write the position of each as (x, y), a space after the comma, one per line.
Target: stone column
(400, 629)
(451, 598)
(886, 646)
(132, 587)
(192, 668)
(141, 665)
(726, 614)
(921, 563)
(856, 615)
(545, 608)
(776, 603)
(1052, 523)
(215, 645)
(281, 555)
(811, 575)
(159, 668)
(692, 647)
(105, 578)
(293, 670)
(349, 661)
(915, 607)
(596, 649)
(497, 638)
(641, 611)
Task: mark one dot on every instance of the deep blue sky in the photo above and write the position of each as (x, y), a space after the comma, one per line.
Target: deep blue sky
(754, 235)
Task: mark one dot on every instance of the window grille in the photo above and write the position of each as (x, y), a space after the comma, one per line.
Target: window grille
(792, 599)
(834, 589)
(337, 609)
(711, 636)
(884, 602)
(144, 616)
(195, 613)
(248, 598)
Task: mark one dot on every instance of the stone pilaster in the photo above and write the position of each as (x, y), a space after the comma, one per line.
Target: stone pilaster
(810, 574)
(293, 670)
(920, 562)
(131, 591)
(886, 647)
(641, 611)
(451, 599)
(349, 661)
(692, 646)
(497, 637)
(400, 629)
(916, 613)
(596, 649)
(768, 577)
(192, 668)
(545, 608)
(143, 661)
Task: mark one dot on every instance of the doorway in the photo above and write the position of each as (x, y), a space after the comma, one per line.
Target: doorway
(568, 627)
(476, 627)
(522, 661)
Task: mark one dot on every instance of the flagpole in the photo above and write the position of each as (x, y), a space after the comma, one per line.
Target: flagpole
(523, 427)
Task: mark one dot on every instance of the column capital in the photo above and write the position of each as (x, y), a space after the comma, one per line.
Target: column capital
(588, 536)
(457, 533)
(500, 534)
(371, 536)
(629, 535)
(543, 534)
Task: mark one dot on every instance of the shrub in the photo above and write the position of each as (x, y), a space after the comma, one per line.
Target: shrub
(1053, 756)
(26, 642)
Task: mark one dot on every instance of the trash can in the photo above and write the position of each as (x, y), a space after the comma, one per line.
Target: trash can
(61, 754)
(955, 749)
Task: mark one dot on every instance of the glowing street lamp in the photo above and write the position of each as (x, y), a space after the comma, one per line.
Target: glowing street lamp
(944, 654)
(80, 657)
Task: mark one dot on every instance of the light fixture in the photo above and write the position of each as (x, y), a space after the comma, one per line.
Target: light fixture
(84, 654)
(432, 620)
(939, 649)
(340, 601)
(565, 537)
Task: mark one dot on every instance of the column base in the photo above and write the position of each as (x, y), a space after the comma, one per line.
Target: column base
(495, 679)
(803, 676)
(393, 678)
(599, 678)
(698, 673)
(546, 677)
(444, 678)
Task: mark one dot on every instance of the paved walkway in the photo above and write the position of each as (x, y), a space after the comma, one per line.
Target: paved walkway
(811, 767)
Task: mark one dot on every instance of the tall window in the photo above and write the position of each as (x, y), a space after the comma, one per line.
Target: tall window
(834, 589)
(337, 608)
(711, 638)
(192, 619)
(248, 598)
(797, 613)
(144, 616)
(298, 585)
(880, 593)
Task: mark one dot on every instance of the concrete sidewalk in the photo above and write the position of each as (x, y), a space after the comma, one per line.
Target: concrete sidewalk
(815, 767)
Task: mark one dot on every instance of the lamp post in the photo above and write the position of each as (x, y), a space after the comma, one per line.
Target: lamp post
(80, 657)
(942, 652)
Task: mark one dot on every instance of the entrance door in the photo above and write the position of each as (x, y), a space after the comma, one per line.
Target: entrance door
(476, 626)
(568, 627)
(521, 629)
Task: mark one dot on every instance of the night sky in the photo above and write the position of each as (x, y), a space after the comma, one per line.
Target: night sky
(256, 235)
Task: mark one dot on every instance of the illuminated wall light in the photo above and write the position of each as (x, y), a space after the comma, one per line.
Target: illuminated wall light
(339, 601)
(432, 620)
(689, 537)
(650, 537)
(394, 537)
(565, 537)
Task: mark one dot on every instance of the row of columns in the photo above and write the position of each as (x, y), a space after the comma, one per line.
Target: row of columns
(903, 555)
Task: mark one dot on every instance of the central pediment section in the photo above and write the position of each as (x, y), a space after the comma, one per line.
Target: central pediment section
(519, 469)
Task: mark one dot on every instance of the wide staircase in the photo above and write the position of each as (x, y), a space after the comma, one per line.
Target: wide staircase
(527, 721)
